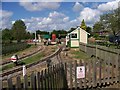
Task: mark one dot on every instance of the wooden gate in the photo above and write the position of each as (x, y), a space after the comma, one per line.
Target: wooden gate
(52, 78)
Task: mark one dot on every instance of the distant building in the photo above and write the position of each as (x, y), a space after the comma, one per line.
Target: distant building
(76, 36)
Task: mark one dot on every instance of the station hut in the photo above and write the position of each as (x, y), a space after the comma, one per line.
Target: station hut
(76, 36)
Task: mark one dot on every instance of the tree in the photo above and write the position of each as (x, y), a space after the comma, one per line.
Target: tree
(98, 26)
(111, 21)
(59, 33)
(83, 25)
(42, 32)
(7, 35)
(19, 30)
(89, 29)
(28, 35)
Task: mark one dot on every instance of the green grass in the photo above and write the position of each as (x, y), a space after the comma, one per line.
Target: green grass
(7, 66)
(34, 58)
(80, 55)
(29, 60)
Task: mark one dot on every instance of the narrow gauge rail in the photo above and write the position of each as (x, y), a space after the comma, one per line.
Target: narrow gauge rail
(17, 69)
(21, 58)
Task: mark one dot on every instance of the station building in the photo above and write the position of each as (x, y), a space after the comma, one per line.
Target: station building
(76, 36)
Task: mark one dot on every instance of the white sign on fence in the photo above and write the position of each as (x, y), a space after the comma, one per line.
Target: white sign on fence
(80, 72)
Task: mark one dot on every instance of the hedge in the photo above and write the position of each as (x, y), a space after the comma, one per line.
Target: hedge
(13, 48)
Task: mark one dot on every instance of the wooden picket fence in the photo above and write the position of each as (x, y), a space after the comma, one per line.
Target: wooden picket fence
(103, 68)
(53, 77)
(101, 52)
(98, 74)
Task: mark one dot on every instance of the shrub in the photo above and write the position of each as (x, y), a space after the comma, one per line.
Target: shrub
(6, 49)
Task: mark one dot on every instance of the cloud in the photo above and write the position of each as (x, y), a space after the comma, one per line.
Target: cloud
(89, 15)
(77, 7)
(108, 6)
(39, 6)
(5, 19)
(40, 0)
(58, 20)
(55, 20)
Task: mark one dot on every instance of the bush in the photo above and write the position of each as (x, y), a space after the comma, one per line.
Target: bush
(6, 49)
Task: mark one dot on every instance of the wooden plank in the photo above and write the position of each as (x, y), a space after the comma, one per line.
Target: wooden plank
(18, 84)
(112, 72)
(108, 70)
(65, 83)
(71, 79)
(25, 82)
(117, 69)
(38, 80)
(33, 81)
(84, 84)
(61, 75)
(56, 76)
(53, 76)
(80, 80)
(45, 79)
(56, 84)
(94, 73)
(110, 66)
(9, 81)
(100, 71)
(41, 80)
(75, 66)
(59, 78)
(54, 72)
(89, 73)
(48, 77)
(104, 69)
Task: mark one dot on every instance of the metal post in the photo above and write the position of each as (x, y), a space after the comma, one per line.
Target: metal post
(35, 38)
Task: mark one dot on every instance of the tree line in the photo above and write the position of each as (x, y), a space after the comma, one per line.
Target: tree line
(18, 32)
(109, 21)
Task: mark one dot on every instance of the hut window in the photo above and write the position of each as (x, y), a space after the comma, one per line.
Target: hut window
(74, 35)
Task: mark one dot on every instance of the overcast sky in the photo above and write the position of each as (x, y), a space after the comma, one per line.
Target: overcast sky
(53, 15)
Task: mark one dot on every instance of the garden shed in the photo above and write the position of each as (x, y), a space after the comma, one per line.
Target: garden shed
(76, 36)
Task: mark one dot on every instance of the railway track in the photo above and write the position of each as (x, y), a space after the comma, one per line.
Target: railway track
(17, 69)
(26, 56)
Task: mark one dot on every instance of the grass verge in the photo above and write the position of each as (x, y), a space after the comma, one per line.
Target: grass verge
(28, 60)
(79, 55)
